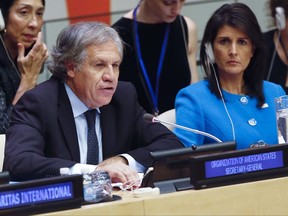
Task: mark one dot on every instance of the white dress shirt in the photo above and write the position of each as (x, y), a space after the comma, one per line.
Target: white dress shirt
(79, 108)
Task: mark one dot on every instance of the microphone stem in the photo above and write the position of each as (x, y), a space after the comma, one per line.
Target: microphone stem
(188, 129)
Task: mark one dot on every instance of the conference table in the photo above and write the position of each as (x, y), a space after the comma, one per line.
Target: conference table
(265, 197)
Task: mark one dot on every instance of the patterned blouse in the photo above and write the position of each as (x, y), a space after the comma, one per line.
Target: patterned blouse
(9, 83)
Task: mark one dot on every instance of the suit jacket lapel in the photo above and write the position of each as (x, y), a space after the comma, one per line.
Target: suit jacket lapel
(67, 123)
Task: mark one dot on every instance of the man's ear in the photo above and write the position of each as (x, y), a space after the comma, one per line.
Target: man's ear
(70, 69)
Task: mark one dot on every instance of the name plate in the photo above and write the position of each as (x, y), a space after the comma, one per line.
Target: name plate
(43, 195)
(239, 166)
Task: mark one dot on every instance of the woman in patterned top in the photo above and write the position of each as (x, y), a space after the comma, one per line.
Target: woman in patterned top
(22, 53)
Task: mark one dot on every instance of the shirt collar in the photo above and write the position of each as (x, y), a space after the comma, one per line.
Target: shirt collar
(78, 107)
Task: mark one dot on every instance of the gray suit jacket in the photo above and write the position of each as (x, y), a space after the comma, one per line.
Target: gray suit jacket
(42, 137)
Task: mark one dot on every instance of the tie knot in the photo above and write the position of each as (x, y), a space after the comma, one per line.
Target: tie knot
(90, 116)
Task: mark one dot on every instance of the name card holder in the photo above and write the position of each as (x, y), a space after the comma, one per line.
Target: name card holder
(239, 166)
(42, 195)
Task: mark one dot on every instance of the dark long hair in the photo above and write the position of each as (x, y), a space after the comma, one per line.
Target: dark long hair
(240, 16)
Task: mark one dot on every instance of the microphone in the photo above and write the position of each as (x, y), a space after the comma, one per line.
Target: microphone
(152, 118)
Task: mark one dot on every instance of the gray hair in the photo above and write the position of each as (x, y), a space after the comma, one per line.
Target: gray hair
(73, 41)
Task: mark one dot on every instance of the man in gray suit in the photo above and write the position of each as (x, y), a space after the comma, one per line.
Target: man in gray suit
(49, 129)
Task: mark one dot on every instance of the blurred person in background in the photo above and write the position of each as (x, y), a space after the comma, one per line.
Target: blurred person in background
(276, 43)
(22, 52)
(160, 52)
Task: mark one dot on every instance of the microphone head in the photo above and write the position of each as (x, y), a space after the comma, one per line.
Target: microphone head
(149, 117)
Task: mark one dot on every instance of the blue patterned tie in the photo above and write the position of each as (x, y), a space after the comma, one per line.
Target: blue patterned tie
(92, 141)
